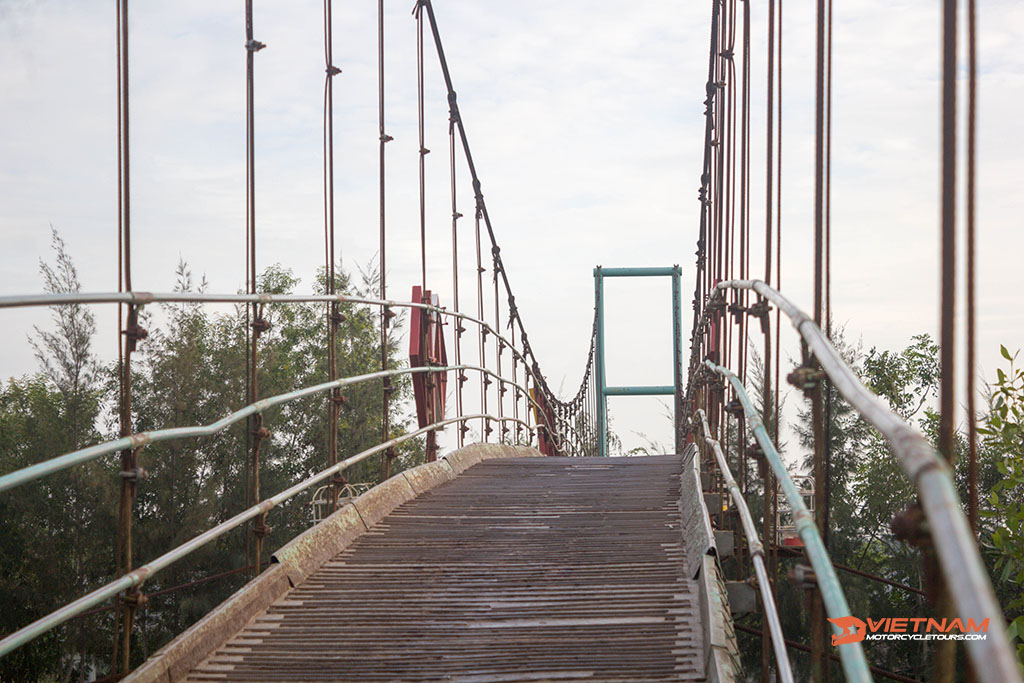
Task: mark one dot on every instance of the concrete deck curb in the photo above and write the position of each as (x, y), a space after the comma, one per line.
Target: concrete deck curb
(375, 504)
(304, 554)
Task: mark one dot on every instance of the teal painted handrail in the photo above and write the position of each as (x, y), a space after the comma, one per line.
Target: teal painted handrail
(756, 554)
(63, 462)
(855, 665)
(139, 576)
(994, 658)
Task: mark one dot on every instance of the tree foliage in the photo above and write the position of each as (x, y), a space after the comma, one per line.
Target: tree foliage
(868, 487)
(1003, 431)
(59, 533)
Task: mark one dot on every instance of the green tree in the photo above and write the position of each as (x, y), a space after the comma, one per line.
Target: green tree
(867, 486)
(193, 371)
(1003, 432)
(907, 380)
(57, 532)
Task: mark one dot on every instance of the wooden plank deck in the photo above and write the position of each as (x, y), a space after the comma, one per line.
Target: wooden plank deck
(521, 569)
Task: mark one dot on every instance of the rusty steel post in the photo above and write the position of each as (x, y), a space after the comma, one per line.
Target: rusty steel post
(259, 325)
(945, 663)
(334, 316)
(499, 347)
(485, 427)
(972, 420)
(128, 338)
(819, 662)
(459, 329)
(423, 151)
(515, 379)
(386, 314)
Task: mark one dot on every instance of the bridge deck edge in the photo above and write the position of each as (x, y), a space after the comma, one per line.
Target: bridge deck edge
(303, 555)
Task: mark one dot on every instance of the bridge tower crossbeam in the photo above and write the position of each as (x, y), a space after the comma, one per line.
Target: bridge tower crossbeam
(603, 390)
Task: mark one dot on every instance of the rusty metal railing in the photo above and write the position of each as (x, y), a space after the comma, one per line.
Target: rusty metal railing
(993, 658)
(559, 430)
(855, 665)
(67, 460)
(756, 549)
(561, 417)
(137, 577)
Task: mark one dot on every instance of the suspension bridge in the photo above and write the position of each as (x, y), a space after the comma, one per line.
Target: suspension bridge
(532, 555)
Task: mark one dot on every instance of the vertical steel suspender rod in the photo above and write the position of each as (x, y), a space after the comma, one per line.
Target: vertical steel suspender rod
(498, 346)
(972, 421)
(423, 149)
(819, 662)
(744, 323)
(128, 337)
(776, 365)
(947, 345)
(459, 329)
(720, 138)
(515, 390)
(769, 177)
(333, 313)
(485, 427)
(385, 312)
(826, 385)
(259, 324)
(943, 669)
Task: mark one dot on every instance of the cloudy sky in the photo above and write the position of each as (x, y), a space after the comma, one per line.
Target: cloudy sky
(585, 120)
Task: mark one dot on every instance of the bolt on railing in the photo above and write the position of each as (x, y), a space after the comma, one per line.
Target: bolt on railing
(137, 577)
(556, 425)
(855, 665)
(993, 658)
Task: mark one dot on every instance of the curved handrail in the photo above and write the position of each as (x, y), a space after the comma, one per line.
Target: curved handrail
(756, 553)
(855, 666)
(144, 298)
(993, 658)
(138, 576)
(139, 298)
(67, 460)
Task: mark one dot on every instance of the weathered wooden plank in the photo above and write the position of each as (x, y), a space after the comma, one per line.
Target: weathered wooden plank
(519, 569)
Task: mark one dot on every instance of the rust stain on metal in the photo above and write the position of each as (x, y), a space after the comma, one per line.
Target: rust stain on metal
(518, 569)
(139, 575)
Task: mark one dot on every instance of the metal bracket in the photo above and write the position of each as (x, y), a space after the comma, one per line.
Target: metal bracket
(911, 527)
(134, 475)
(735, 408)
(803, 576)
(260, 325)
(806, 378)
